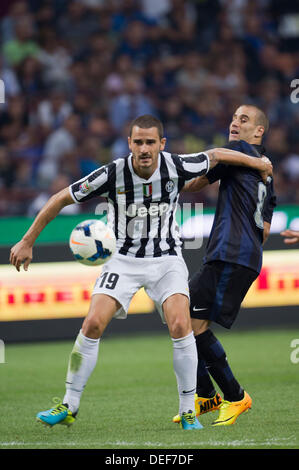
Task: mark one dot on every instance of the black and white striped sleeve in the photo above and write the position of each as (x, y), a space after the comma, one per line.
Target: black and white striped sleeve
(93, 185)
(194, 165)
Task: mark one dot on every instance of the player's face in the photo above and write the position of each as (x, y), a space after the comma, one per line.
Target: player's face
(145, 145)
(243, 126)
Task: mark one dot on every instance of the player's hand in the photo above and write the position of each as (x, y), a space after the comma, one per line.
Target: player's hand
(267, 169)
(291, 236)
(21, 253)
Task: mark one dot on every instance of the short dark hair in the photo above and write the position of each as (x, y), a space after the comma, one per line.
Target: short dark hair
(260, 118)
(146, 122)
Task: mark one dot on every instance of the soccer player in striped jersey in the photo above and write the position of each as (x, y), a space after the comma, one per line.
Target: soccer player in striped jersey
(142, 190)
(233, 261)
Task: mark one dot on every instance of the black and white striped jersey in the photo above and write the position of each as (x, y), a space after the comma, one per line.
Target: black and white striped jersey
(142, 211)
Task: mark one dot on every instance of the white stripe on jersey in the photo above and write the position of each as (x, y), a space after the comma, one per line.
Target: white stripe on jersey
(144, 210)
(194, 166)
(120, 196)
(171, 228)
(89, 184)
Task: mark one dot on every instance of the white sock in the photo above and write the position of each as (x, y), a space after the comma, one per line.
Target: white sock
(82, 362)
(185, 368)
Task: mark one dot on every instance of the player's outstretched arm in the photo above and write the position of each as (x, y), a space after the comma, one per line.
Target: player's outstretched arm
(233, 157)
(291, 236)
(21, 252)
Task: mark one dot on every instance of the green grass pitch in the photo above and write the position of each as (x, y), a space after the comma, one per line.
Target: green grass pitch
(131, 396)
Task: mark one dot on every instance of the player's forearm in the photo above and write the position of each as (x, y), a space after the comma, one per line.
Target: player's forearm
(50, 210)
(196, 185)
(235, 158)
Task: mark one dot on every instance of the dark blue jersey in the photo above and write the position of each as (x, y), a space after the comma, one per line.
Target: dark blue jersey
(244, 203)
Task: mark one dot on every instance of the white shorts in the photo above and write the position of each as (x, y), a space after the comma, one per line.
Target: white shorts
(123, 276)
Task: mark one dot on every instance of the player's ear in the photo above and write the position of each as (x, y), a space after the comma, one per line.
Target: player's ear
(129, 142)
(259, 132)
(162, 143)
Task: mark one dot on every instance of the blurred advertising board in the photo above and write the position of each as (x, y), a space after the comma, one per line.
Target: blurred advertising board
(278, 282)
(63, 289)
(53, 290)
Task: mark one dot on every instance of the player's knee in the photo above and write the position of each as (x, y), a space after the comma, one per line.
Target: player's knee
(176, 311)
(93, 327)
(101, 311)
(180, 326)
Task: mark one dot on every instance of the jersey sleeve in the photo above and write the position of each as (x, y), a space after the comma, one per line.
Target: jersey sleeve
(217, 173)
(270, 202)
(194, 165)
(220, 171)
(93, 185)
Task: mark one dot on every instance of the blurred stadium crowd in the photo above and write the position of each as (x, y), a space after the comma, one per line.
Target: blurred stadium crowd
(77, 72)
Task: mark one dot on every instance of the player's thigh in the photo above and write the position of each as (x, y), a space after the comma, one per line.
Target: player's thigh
(217, 292)
(203, 289)
(177, 316)
(168, 286)
(239, 283)
(166, 277)
(171, 295)
(101, 310)
(120, 279)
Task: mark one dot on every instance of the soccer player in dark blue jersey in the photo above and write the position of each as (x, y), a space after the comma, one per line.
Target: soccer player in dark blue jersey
(233, 261)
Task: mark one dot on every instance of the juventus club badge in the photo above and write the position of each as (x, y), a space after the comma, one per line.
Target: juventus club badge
(169, 186)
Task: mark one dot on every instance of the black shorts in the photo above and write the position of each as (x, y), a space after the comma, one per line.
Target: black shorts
(217, 291)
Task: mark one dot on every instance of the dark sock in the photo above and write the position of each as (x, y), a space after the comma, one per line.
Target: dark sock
(211, 351)
(204, 387)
